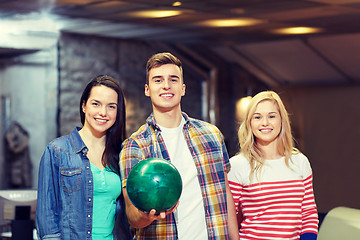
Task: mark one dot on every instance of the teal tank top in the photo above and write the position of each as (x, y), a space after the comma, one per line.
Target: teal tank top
(107, 188)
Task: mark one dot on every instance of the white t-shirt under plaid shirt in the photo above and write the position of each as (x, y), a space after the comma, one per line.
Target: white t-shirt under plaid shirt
(190, 214)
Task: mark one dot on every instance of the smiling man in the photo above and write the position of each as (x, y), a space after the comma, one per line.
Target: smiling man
(206, 209)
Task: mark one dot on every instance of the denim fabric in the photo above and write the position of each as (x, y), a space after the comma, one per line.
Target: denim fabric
(65, 190)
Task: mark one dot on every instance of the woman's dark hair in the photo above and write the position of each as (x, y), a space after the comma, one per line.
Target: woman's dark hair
(115, 135)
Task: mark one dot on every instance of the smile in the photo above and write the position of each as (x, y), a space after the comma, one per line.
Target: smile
(101, 120)
(166, 95)
(265, 130)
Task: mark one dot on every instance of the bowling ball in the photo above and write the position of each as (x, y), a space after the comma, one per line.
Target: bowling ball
(154, 183)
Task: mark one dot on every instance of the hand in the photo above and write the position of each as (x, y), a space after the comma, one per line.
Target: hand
(153, 215)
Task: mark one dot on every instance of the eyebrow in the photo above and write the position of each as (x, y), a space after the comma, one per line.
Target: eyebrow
(160, 76)
(100, 102)
(267, 113)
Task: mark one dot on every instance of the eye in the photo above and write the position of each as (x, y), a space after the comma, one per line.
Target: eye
(95, 104)
(157, 80)
(112, 106)
(273, 115)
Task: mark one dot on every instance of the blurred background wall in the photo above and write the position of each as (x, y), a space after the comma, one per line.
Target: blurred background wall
(325, 124)
(29, 90)
(43, 91)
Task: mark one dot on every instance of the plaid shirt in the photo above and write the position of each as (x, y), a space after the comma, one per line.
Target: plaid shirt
(208, 149)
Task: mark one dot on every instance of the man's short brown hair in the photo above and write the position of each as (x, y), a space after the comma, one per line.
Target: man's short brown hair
(160, 59)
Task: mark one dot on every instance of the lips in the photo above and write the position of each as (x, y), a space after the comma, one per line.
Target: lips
(101, 120)
(166, 95)
(265, 130)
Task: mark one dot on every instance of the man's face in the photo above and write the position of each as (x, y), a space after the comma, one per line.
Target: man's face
(165, 87)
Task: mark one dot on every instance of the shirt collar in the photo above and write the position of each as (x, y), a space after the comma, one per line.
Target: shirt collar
(78, 143)
(152, 122)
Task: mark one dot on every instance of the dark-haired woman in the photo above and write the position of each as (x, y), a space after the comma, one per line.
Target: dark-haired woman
(79, 190)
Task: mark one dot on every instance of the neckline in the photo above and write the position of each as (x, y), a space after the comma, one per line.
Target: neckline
(181, 125)
(101, 170)
(275, 160)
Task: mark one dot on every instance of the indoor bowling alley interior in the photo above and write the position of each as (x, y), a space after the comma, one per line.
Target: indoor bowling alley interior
(308, 51)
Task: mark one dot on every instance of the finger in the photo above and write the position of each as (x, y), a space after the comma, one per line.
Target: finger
(152, 213)
(162, 215)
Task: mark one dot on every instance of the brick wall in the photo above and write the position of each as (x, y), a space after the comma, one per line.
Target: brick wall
(84, 57)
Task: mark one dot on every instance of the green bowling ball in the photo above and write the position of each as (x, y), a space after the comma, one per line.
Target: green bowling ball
(154, 183)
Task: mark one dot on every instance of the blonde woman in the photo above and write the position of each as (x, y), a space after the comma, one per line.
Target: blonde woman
(271, 181)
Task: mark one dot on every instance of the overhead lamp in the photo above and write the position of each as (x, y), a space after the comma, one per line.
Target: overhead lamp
(231, 22)
(241, 108)
(155, 13)
(297, 30)
(176, 4)
(242, 104)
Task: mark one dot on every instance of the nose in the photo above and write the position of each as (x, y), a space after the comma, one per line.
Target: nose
(102, 111)
(264, 121)
(166, 84)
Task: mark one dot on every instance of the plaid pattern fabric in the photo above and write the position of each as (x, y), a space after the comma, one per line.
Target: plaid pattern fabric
(208, 149)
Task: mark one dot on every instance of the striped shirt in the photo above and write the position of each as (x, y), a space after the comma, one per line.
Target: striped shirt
(279, 204)
(207, 147)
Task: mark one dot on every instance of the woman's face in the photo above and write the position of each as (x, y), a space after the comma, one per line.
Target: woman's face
(100, 109)
(266, 122)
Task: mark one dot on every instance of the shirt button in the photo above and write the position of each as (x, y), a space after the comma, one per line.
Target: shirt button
(89, 215)
(89, 181)
(89, 199)
(88, 232)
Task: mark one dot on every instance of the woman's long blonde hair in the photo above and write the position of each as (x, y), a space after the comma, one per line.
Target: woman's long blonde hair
(248, 145)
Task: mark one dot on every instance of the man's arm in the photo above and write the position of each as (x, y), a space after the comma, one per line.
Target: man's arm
(232, 219)
(130, 155)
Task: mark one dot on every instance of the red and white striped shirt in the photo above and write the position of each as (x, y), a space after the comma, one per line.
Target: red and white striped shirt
(279, 204)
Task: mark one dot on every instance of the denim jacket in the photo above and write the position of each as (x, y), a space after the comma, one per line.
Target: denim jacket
(65, 190)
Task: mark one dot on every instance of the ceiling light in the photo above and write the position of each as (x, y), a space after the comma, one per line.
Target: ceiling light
(297, 30)
(155, 13)
(236, 22)
(176, 4)
(241, 107)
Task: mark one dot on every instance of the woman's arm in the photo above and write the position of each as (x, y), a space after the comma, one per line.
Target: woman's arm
(232, 218)
(235, 189)
(309, 212)
(47, 210)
